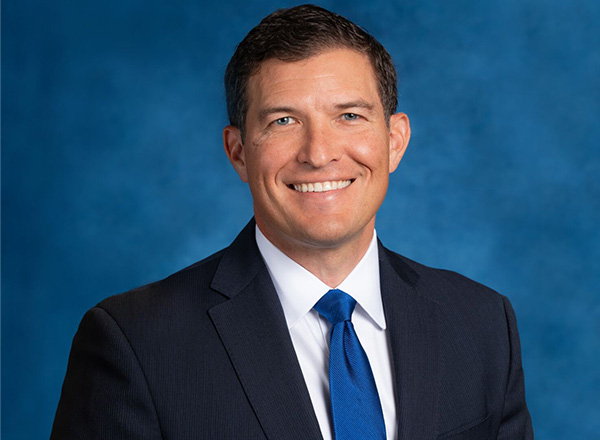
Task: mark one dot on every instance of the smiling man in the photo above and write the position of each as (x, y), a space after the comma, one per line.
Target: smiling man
(317, 151)
(305, 327)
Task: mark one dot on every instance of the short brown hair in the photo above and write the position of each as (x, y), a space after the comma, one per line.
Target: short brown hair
(295, 34)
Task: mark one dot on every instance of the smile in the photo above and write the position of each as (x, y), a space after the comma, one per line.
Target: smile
(321, 186)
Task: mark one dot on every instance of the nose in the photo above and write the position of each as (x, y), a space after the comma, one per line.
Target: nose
(320, 146)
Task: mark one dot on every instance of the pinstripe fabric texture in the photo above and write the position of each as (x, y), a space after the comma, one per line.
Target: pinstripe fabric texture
(206, 354)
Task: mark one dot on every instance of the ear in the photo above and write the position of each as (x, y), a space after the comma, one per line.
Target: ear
(234, 148)
(399, 137)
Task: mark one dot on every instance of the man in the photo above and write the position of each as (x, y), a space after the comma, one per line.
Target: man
(305, 327)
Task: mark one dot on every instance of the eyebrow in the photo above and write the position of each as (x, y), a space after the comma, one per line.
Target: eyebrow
(355, 104)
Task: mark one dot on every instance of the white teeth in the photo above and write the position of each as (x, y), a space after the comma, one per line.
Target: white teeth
(321, 186)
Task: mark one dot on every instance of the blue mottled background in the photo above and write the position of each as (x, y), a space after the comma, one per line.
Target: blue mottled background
(113, 173)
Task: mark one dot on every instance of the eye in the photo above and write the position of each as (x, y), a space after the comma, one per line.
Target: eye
(350, 116)
(286, 120)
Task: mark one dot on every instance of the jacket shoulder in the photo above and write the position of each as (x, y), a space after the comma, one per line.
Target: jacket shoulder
(444, 286)
(188, 286)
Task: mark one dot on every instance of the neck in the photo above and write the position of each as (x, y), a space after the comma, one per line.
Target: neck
(330, 263)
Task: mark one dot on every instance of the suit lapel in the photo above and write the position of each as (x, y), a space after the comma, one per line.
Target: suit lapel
(253, 329)
(413, 323)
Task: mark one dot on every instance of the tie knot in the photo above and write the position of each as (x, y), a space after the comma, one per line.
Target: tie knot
(336, 306)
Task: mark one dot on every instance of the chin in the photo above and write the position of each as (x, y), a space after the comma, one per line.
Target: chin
(328, 237)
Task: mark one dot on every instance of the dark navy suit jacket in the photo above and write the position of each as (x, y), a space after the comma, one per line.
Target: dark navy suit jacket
(206, 354)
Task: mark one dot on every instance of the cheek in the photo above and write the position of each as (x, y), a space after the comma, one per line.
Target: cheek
(267, 161)
(372, 150)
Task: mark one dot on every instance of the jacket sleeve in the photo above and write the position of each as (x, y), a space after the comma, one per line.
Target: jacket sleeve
(105, 394)
(515, 423)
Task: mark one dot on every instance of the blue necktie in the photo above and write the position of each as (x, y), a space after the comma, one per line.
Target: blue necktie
(355, 404)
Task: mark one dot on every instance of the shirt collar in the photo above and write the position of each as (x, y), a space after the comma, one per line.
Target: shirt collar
(299, 290)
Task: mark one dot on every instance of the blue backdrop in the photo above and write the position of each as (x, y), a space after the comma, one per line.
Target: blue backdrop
(113, 173)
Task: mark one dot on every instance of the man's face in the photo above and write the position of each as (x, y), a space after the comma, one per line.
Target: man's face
(317, 151)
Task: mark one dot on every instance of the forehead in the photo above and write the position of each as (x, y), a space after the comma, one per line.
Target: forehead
(343, 73)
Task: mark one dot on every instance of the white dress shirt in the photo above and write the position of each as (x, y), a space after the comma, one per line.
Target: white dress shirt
(299, 290)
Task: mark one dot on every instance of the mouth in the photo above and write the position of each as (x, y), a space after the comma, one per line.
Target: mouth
(328, 185)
